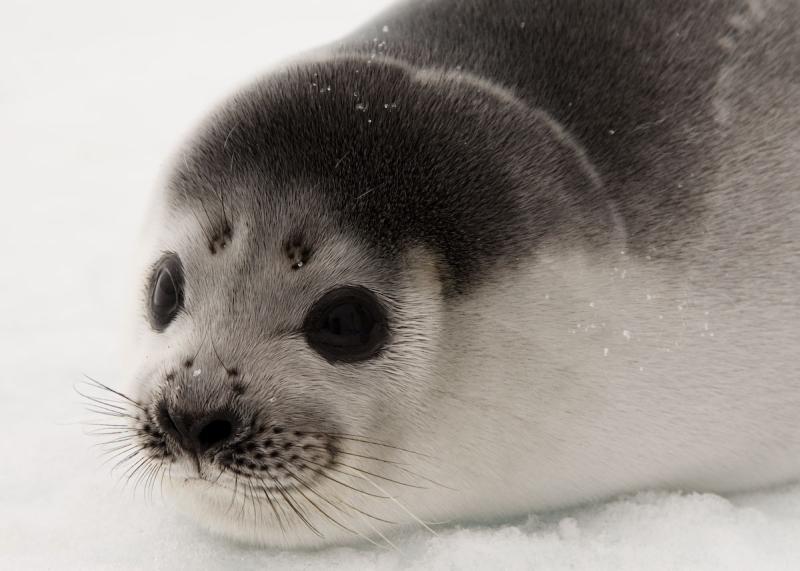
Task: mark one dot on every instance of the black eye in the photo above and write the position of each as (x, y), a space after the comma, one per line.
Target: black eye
(166, 291)
(347, 324)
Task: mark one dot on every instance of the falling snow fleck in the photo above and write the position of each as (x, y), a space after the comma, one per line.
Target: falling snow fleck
(605, 351)
(197, 372)
(626, 334)
(385, 29)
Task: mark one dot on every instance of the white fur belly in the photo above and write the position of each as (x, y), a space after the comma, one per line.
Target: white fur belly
(583, 378)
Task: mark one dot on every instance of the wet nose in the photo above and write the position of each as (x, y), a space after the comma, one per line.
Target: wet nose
(198, 433)
(213, 430)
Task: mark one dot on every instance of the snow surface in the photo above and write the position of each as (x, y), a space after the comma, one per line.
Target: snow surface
(93, 97)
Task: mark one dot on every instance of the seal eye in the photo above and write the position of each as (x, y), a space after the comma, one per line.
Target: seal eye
(166, 291)
(347, 325)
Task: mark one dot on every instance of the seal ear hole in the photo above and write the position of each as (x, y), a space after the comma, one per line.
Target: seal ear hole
(165, 298)
(347, 324)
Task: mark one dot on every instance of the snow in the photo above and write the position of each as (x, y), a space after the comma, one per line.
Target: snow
(94, 95)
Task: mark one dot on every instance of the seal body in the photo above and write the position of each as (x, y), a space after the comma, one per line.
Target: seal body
(566, 236)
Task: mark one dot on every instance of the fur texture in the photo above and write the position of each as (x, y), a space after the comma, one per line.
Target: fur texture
(584, 222)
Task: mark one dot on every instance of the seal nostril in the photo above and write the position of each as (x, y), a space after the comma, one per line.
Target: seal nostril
(166, 422)
(214, 432)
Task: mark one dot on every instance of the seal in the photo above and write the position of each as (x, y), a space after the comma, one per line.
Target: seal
(478, 259)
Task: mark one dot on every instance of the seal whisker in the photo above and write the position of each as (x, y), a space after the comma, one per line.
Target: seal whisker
(329, 477)
(122, 445)
(118, 393)
(125, 438)
(333, 469)
(278, 518)
(379, 476)
(197, 218)
(400, 505)
(137, 450)
(108, 411)
(346, 453)
(375, 529)
(296, 508)
(149, 480)
(364, 440)
(108, 425)
(325, 514)
(111, 433)
(219, 359)
(116, 451)
(360, 513)
(420, 476)
(144, 474)
(307, 485)
(257, 512)
(133, 469)
(104, 402)
(233, 494)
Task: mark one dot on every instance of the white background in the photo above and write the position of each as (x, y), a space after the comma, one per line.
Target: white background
(93, 95)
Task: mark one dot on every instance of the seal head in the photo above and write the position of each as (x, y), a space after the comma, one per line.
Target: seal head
(312, 235)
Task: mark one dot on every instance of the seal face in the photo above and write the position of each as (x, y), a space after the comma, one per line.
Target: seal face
(448, 276)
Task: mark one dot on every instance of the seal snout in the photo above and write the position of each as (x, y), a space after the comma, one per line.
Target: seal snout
(197, 433)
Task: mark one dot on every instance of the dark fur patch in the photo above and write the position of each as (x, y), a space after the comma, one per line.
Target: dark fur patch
(445, 164)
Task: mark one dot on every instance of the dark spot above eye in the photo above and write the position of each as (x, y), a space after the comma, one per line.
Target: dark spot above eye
(298, 251)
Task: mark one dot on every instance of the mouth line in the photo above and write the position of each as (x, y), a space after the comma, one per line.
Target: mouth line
(212, 484)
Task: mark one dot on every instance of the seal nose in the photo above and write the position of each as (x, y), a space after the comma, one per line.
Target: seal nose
(195, 433)
(212, 431)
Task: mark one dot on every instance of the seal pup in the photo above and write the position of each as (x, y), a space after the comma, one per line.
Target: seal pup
(478, 259)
